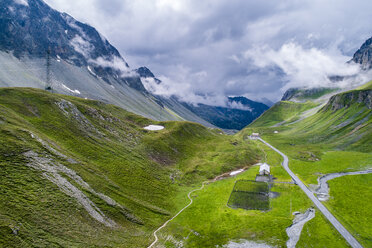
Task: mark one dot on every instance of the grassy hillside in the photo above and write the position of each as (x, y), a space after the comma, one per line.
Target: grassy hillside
(337, 138)
(80, 173)
(282, 112)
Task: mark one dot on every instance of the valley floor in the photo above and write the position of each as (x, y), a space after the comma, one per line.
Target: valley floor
(209, 222)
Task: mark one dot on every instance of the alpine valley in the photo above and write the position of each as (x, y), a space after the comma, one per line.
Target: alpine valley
(90, 156)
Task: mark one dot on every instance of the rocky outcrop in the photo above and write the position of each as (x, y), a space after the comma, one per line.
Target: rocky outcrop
(145, 72)
(345, 100)
(304, 94)
(364, 55)
(289, 94)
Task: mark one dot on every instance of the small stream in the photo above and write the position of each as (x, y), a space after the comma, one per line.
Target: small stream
(322, 192)
(294, 230)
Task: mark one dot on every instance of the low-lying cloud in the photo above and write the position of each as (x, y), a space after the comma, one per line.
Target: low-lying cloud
(116, 63)
(82, 46)
(302, 67)
(180, 87)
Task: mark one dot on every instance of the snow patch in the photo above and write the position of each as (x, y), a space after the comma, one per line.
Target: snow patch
(154, 127)
(91, 71)
(21, 2)
(73, 91)
(233, 173)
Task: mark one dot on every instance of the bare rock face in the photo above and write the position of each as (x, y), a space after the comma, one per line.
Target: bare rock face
(364, 55)
(344, 100)
(31, 28)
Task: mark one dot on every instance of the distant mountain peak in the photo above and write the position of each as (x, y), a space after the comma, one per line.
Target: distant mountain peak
(145, 73)
(364, 55)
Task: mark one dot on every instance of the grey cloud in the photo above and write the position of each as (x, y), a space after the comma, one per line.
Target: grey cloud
(111, 8)
(180, 39)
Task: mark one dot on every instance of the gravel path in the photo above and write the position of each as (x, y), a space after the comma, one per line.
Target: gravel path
(166, 223)
(339, 227)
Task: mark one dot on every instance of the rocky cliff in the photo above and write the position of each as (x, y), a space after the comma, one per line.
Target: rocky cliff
(364, 55)
(345, 100)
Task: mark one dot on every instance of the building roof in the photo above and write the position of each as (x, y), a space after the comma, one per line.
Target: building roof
(264, 167)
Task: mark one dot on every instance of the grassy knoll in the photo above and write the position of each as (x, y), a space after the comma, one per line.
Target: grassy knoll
(147, 173)
(335, 139)
(209, 221)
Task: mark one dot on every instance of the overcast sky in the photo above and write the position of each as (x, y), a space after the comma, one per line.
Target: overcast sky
(204, 50)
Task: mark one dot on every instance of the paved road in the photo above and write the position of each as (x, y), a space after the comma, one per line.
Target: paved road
(340, 228)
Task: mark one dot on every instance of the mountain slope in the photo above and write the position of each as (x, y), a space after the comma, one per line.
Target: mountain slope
(336, 138)
(34, 29)
(82, 173)
(241, 112)
(37, 43)
(343, 121)
(283, 112)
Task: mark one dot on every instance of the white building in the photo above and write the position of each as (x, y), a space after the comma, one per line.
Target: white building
(254, 136)
(264, 169)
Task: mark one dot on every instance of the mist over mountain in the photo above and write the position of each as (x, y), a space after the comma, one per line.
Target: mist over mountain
(235, 113)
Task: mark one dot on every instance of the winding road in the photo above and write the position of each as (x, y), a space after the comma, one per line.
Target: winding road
(166, 223)
(340, 228)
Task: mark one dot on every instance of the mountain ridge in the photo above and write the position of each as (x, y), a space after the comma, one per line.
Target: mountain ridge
(38, 42)
(37, 30)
